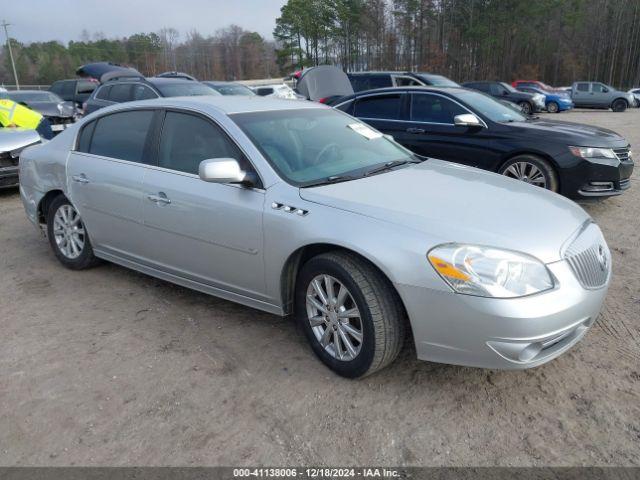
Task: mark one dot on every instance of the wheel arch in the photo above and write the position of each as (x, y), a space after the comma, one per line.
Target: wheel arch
(619, 98)
(43, 205)
(535, 153)
(298, 258)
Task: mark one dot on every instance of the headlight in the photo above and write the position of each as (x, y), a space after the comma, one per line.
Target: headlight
(489, 272)
(593, 152)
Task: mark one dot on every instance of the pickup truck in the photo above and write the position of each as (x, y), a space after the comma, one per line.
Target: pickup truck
(599, 95)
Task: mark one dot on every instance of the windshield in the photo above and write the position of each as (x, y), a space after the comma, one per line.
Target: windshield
(233, 89)
(306, 146)
(186, 89)
(490, 107)
(440, 81)
(35, 97)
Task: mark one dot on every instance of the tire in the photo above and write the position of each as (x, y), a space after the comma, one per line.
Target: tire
(381, 318)
(526, 107)
(528, 166)
(62, 233)
(553, 107)
(619, 105)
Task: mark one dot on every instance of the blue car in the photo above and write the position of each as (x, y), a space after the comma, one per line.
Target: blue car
(554, 101)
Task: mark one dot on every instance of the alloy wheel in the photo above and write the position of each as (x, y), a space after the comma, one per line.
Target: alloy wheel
(68, 231)
(526, 108)
(334, 317)
(526, 172)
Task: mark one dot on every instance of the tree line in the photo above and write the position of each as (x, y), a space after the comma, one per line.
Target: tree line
(557, 41)
(231, 53)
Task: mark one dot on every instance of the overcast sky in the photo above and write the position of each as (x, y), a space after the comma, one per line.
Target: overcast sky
(64, 20)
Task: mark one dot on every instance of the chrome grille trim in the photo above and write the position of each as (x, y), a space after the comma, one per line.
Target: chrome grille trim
(622, 153)
(589, 258)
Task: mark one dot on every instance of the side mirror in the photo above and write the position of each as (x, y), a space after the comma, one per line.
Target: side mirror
(222, 170)
(467, 120)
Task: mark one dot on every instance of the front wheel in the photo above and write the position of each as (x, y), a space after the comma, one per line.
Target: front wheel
(619, 105)
(526, 108)
(552, 107)
(68, 236)
(350, 314)
(531, 169)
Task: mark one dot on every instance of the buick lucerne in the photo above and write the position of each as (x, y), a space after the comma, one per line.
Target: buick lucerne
(298, 209)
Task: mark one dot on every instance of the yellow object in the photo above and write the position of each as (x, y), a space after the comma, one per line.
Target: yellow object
(12, 113)
(447, 270)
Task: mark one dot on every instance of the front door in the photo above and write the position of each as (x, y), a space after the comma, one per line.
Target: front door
(204, 232)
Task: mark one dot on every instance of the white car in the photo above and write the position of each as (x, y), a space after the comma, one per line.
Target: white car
(636, 95)
(280, 90)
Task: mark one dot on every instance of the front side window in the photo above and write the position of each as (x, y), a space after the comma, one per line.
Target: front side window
(187, 140)
(497, 89)
(489, 107)
(103, 93)
(311, 144)
(142, 92)
(121, 135)
(434, 109)
(380, 106)
(600, 88)
(407, 82)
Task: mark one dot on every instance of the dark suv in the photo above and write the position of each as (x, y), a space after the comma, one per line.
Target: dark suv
(127, 89)
(361, 81)
(528, 102)
(74, 90)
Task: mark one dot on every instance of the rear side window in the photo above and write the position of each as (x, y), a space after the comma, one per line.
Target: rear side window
(120, 93)
(407, 82)
(65, 89)
(103, 93)
(583, 87)
(483, 87)
(85, 86)
(84, 140)
(382, 106)
(188, 139)
(434, 109)
(369, 82)
(122, 135)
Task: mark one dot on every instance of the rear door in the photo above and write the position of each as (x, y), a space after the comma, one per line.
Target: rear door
(205, 232)
(431, 132)
(384, 111)
(104, 175)
(582, 95)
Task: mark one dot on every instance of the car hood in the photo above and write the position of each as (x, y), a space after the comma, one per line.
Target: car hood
(454, 203)
(17, 138)
(50, 109)
(581, 135)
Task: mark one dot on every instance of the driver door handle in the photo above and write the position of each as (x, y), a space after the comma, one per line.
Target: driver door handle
(160, 198)
(416, 130)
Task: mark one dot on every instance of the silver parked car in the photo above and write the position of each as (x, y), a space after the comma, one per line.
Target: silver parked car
(295, 208)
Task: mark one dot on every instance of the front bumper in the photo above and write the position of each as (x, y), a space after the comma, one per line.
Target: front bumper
(502, 333)
(9, 176)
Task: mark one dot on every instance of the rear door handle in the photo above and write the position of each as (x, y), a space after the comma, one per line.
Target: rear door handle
(82, 178)
(159, 198)
(416, 130)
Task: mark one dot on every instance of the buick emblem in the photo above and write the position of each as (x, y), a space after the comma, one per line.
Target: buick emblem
(602, 258)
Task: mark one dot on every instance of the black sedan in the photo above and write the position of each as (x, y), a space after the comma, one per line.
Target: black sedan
(528, 102)
(59, 113)
(472, 128)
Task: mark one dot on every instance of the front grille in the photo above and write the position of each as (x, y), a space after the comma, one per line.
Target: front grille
(622, 153)
(589, 257)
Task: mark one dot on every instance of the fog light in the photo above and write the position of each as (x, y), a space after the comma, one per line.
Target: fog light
(598, 187)
(530, 352)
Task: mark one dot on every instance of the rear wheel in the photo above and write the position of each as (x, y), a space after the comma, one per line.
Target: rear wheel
(350, 313)
(552, 107)
(533, 170)
(68, 236)
(526, 108)
(619, 105)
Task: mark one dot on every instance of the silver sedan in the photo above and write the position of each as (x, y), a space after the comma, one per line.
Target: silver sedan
(294, 208)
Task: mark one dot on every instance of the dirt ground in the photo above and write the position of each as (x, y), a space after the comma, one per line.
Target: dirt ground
(111, 367)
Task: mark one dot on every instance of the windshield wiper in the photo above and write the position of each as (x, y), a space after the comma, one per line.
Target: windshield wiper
(329, 180)
(389, 166)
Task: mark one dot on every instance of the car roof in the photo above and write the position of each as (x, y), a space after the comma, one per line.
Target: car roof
(222, 82)
(226, 104)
